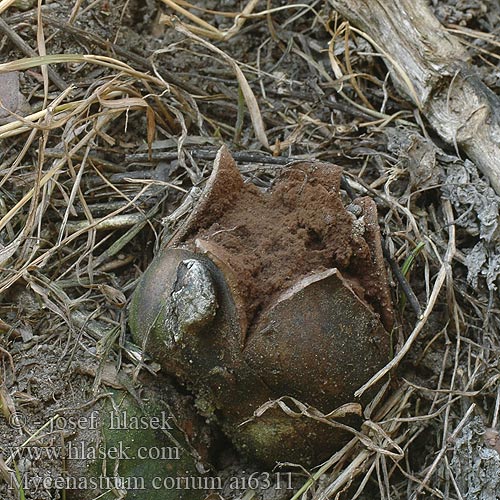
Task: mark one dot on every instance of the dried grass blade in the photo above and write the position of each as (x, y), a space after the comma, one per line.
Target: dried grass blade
(240, 20)
(357, 465)
(9, 476)
(441, 277)
(253, 107)
(5, 4)
(124, 103)
(40, 38)
(109, 62)
(205, 29)
(54, 170)
(192, 17)
(397, 67)
(8, 251)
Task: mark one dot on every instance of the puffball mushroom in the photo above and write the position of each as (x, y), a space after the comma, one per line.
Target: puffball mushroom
(265, 294)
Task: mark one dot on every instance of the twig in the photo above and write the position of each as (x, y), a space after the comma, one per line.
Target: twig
(445, 266)
(403, 283)
(205, 154)
(26, 49)
(441, 453)
(127, 237)
(106, 223)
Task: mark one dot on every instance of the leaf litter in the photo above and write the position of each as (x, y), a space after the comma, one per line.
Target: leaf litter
(90, 171)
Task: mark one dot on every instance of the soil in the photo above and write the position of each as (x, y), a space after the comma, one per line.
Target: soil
(62, 293)
(46, 383)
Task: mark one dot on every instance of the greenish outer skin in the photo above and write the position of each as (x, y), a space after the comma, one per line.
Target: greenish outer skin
(147, 468)
(302, 347)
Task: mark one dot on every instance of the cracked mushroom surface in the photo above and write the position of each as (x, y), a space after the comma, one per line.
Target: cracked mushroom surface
(266, 294)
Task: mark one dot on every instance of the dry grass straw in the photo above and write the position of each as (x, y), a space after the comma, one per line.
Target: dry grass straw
(5, 4)
(73, 126)
(362, 461)
(56, 241)
(444, 274)
(66, 220)
(207, 30)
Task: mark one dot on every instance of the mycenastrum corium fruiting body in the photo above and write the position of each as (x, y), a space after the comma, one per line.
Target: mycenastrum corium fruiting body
(265, 294)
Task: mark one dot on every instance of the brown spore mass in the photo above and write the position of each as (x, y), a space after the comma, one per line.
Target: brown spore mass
(270, 239)
(298, 281)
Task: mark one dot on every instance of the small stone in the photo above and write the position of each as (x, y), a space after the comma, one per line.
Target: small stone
(11, 99)
(492, 439)
(354, 209)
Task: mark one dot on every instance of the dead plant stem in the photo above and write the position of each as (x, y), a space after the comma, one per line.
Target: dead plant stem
(441, 453)
(443, 272)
